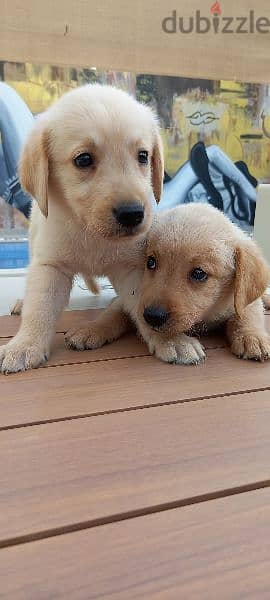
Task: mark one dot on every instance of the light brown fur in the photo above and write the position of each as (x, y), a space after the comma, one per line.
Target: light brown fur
(73, 225)
(182, 239)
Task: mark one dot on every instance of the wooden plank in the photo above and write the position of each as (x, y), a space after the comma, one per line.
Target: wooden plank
(61, 475)
(88, 389)
(127, 346)
(122, 37)
(9, 325)
(191, 552)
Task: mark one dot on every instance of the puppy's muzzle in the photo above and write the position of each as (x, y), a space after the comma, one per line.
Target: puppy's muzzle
(156, 317)
(129, 215)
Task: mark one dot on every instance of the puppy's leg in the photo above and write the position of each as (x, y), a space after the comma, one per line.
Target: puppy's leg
(111, 324)
(47, 293)
(247, 335)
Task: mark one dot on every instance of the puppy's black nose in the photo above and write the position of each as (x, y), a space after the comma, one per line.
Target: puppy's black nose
(129, 215)
(155, 317)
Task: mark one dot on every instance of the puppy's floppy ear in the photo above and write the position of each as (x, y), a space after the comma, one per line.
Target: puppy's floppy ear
(34, 166)
(252, 275)
(157, 167)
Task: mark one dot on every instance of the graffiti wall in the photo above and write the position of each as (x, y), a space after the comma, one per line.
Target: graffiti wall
(235, 116)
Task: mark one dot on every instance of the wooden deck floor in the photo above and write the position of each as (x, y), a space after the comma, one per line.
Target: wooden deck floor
(124, 478)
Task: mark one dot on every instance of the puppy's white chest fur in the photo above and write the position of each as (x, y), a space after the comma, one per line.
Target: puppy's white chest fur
(78, 251)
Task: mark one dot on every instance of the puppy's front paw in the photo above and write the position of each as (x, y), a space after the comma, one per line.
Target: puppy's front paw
(184, 351)
(165, 351)
(251, 346)
(86, 338)
(21, 356)
(189, 351)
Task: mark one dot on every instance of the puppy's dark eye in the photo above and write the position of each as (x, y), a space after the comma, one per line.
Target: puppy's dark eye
(198, 274)
(151, 263)
(143, 157)
(84, 160)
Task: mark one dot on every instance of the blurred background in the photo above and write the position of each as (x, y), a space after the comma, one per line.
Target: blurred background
(235, 116)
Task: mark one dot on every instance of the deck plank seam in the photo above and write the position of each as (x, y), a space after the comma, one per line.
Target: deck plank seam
(134, 514)
(131, 409)
(108, 359)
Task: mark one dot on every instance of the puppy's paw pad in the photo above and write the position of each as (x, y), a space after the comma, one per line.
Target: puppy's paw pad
(252, 347)
(20, 357)
(83, 339)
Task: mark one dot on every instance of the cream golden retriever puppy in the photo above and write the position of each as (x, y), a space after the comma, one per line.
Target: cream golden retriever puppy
(93, 163)
(194, 271)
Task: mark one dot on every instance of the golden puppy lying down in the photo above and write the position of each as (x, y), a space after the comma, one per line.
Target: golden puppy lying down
(194, 271)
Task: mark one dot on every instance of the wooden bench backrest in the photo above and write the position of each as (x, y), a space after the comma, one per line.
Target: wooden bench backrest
(128, 36)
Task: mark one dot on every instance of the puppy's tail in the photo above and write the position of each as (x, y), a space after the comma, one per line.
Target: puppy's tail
(18, 306)
(266, 301)
(94, 287)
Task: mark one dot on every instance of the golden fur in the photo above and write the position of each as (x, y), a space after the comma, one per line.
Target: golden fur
(180, 240)
(73, 225)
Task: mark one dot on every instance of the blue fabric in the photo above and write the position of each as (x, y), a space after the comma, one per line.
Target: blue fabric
(16, 120)
(14, 255)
